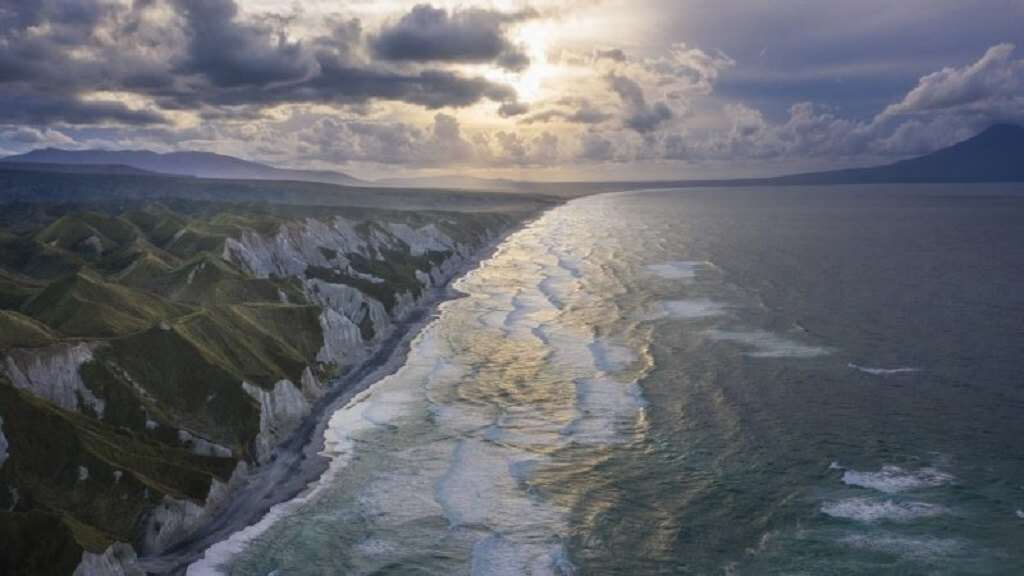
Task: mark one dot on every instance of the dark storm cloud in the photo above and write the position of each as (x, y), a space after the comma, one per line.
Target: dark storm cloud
(200, 55)
(640, 116)
(230, 53)
(431, 88)
(73, 20)
(428, 34)
(35, 108)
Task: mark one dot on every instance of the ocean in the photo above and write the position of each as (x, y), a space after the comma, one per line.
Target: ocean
(813, 380)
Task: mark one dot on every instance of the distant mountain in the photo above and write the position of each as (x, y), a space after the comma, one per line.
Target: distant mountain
(994, 155)
(201, 164)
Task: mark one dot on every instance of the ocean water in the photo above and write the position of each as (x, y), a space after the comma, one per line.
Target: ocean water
(702, 381)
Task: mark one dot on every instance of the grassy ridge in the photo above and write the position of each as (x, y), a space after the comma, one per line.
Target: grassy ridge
(83, 305)
(179, 329)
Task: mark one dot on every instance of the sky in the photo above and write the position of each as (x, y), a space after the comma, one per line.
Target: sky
(543, 89)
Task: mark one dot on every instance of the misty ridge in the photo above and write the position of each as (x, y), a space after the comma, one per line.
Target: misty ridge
(994, 155)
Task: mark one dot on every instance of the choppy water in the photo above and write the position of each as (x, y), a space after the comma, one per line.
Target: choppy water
(730, 381)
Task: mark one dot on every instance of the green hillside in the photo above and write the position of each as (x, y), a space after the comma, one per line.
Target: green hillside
(175, 329)
(19, 330)
(86, 306)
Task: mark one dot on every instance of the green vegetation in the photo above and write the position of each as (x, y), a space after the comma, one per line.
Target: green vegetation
(19, 330)
(79, 478)
(177, 330)
(208, 280)
(37, 542)
(84, 305)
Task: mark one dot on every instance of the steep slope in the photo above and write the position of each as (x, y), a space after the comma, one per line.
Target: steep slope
(84, 305)
(164, 373)
(996, 154)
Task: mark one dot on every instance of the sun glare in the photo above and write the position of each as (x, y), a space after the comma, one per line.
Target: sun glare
(537, 78)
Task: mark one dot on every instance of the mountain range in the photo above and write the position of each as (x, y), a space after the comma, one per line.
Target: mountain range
(199, 164)
(994, 155)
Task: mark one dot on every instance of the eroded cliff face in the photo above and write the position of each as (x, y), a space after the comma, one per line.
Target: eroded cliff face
(322, 255)
(117, 560)
(174, 519)
(52, 374)
(250, 375)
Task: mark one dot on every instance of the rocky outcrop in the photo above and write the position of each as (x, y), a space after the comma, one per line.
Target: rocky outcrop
(117, 560)
(421, 240)
(293, 249)
(347, 311)
(280, 409)
(342, 339)
(174, 519)
(52, 374)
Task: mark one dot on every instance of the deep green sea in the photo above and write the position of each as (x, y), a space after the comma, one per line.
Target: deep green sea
(703, 381)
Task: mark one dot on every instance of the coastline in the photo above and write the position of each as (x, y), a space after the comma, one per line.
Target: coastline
(300, 465)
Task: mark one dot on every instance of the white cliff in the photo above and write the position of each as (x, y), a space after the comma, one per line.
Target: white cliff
(280, 409)
(343, 343)
(117, 560)
(294, 248)
(421, 240)
(51, 373)
(174, 519)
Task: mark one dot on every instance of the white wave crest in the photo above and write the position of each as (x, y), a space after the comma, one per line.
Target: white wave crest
(917, 548)
(882, 371)
(872, 511)
(893, 479)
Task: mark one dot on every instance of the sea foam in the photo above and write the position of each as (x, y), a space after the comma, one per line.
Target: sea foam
(697, 308)
(922, 548)
(768, 345)
(872, 511)
(893, 479)
(499, 555)
(603, 405)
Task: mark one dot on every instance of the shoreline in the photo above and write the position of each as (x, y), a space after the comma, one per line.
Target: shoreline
(298, 464)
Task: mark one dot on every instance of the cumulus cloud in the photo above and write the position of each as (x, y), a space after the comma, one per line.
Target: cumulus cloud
(510, 109)
(595, 147)
(428, 34)
(995, 83)
(572, 110)
(640, 116)
(689, 69)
